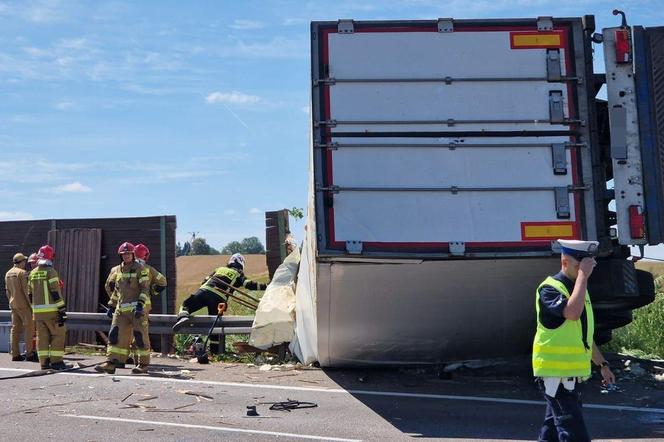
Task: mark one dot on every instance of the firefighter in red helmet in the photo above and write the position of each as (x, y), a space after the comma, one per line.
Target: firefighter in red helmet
(128, 288)
(48, 308)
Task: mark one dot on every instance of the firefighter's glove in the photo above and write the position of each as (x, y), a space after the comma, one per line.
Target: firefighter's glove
(110, 311)
(62, 317)
(262, 286)
(139, 310)
(157, 288)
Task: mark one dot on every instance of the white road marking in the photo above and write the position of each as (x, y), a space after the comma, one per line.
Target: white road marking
(356, 392)
(209, 427)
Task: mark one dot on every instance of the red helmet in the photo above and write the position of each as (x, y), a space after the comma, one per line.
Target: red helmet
(142, 252)
(126, 247)
(46, 252)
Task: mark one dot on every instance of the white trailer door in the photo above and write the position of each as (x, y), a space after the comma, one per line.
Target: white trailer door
(448, 140)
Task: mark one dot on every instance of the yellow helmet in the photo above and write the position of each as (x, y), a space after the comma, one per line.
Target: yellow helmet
(19, 257)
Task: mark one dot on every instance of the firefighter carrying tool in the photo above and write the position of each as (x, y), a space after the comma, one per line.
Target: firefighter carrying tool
(219, 287)
(128, 288)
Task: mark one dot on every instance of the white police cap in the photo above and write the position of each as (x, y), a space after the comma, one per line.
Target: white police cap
(578, 249)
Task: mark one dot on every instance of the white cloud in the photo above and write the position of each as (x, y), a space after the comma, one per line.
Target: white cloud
(74, 187)
(12, 216)
(247, 24)
(229, 212)
(305, 109)
(64, 105)
(255, 210)
(233, 97)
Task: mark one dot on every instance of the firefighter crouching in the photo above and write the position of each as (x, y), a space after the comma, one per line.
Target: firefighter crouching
(49, 311)
(128, 288)
(211, 293)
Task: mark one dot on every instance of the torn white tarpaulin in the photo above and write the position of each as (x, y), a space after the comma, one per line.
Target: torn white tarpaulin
(275, 316)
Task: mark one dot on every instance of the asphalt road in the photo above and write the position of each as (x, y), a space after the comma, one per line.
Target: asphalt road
(209, 402)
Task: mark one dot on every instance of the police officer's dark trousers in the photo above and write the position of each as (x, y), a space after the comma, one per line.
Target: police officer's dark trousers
(563, 420)
(205, 298)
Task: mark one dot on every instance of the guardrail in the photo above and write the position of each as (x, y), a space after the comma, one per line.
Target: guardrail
(159, 324)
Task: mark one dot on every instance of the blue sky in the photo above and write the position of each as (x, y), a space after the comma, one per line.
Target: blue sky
(197, 109)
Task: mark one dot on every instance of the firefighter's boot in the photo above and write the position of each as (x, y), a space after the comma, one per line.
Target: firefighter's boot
(59, 366)
(107, 367)
(32, 357)
(140, 369)
(183, 319)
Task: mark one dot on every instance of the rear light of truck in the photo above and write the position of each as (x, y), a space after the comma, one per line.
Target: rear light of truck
(637, 222)
(623, 46)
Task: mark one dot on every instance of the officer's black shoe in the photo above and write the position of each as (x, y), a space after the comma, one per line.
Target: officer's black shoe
(18, 358)
(183, 320)
(32, 357)
(59, 366)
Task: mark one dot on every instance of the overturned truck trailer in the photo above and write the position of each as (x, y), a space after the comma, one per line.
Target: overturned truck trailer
(447, 155)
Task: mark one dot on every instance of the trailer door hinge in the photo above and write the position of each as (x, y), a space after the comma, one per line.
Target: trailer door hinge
(354, 247)
(559, 153)
(556, 112)
(445, 25)
(562, 202)
(345, 26)
(553, 72)
(545, 23)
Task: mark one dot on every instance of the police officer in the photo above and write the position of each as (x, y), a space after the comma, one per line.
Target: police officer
(16, 283)
(563, 346)
(127, 287)
(210, 294)
(49, 312)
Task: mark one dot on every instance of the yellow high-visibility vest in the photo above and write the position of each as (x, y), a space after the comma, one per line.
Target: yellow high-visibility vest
(560, 352)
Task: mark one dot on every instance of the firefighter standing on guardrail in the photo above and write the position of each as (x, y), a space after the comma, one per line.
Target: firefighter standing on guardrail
(128, 288)
(210, 294)
(49, 312)
(16, 283)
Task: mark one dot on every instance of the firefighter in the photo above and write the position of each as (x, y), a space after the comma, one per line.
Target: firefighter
(49, 312)
(16, 283)
(157, 281)
(128, 289)
(157, 285)
(563, 346)
(209, 294)
(32, 260)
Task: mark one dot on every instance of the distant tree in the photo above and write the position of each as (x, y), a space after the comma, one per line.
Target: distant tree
(214, 251)
(200, 247)
(252, 245)
(296, 212)
(232, 247)
(178, 249)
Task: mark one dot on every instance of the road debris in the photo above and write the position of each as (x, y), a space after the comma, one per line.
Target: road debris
(251, 411)
(291, 404)
(197, 395)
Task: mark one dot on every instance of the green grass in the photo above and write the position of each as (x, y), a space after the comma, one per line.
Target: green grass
(644, 336)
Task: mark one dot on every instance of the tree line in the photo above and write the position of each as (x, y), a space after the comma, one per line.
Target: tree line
(199, 246)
